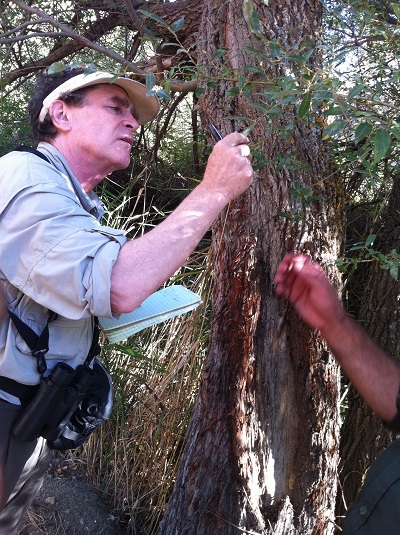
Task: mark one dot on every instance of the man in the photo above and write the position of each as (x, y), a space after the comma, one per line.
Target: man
(55, 256)
(373, 373)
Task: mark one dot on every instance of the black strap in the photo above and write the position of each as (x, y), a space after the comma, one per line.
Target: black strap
(23, 392)
(95, 348)
(25, 148)
(38, 344)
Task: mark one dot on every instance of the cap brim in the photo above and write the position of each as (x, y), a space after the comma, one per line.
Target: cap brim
(146, 107)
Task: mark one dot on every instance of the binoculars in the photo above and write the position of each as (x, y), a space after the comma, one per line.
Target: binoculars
(58, 396)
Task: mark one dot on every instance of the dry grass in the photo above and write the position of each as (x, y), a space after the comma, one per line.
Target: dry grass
(36, 524)
(135, 457)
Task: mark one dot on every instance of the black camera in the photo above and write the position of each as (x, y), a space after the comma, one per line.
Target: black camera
(57, 398)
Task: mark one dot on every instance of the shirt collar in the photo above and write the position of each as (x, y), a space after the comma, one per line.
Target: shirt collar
(89, 201)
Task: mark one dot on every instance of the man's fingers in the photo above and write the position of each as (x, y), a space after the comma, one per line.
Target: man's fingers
(236, 138)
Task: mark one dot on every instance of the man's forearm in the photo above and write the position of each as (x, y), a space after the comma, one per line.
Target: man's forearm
(374, 374)
(145, 263)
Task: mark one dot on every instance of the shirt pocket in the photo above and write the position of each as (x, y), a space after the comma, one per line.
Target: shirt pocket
(69, 340)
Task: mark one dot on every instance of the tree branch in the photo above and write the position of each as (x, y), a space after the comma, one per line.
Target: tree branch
(80, 42)
(21, 38)
(141, 28)
(79, 38)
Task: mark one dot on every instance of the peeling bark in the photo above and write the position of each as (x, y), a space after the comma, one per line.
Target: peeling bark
(262, 448)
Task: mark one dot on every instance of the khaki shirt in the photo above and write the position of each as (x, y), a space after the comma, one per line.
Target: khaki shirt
(54, 255)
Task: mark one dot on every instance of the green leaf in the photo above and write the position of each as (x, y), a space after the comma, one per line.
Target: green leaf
(340, 56)
(177, 25)
(162, 93)
(355, 91)
(394, 272)
(254, 69)
(154, 17)
(395, 131)
(255, 52)
(309, 53)
(381, 144)
(237, 118)
(305, 105)
(247, 130)
(56, 67)
(233, 92)
(396, 11)
(251, 17)
(334, 110)
(261, 107)
(362, 131)
(334, 128)
(219, 53)
(150, 80)
(370, 240)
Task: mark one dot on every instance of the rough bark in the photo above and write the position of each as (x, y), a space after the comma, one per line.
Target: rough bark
(262, 447)
(364, 435)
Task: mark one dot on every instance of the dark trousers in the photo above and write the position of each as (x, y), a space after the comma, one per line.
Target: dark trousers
(22, 469)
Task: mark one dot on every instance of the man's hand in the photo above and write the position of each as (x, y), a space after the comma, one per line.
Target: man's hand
(307, 287)
(228, 170)
(371, 370)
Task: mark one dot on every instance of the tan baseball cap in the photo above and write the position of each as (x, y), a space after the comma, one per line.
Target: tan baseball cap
(146, 107)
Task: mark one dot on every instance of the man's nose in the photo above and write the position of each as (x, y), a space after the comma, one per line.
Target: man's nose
(131, 122)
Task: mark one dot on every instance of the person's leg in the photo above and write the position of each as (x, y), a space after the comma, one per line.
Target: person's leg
(22, 469)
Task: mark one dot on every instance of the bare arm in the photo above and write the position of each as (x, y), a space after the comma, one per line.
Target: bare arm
(144, 264)
(373, 372)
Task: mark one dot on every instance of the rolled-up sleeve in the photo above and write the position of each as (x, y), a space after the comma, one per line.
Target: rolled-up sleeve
(58, 254)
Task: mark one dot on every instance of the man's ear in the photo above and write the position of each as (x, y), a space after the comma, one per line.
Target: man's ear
(59, 115)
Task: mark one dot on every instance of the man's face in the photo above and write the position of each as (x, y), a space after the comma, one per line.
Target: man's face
(102, 129)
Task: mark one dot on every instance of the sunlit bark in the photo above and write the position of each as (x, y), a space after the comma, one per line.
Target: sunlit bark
(262, 448)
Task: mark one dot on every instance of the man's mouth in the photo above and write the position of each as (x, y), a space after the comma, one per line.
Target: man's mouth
(128, 140)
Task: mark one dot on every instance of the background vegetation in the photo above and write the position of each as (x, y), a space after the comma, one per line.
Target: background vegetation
(355, 96)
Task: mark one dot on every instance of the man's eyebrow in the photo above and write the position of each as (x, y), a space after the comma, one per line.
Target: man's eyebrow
(124, 102)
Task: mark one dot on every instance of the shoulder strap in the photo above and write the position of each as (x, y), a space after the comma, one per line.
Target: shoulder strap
(95, 348)
(25, 148)
(38, 344)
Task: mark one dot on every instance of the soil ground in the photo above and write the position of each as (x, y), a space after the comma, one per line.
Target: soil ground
(69, 505)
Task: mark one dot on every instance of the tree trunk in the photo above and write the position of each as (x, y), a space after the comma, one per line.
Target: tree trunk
(262, 448)
(363, 434)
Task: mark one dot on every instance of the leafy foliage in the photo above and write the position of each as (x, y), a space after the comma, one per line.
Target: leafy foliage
(352, 102)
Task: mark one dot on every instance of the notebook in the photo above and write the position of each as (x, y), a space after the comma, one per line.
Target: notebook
(158, 307)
